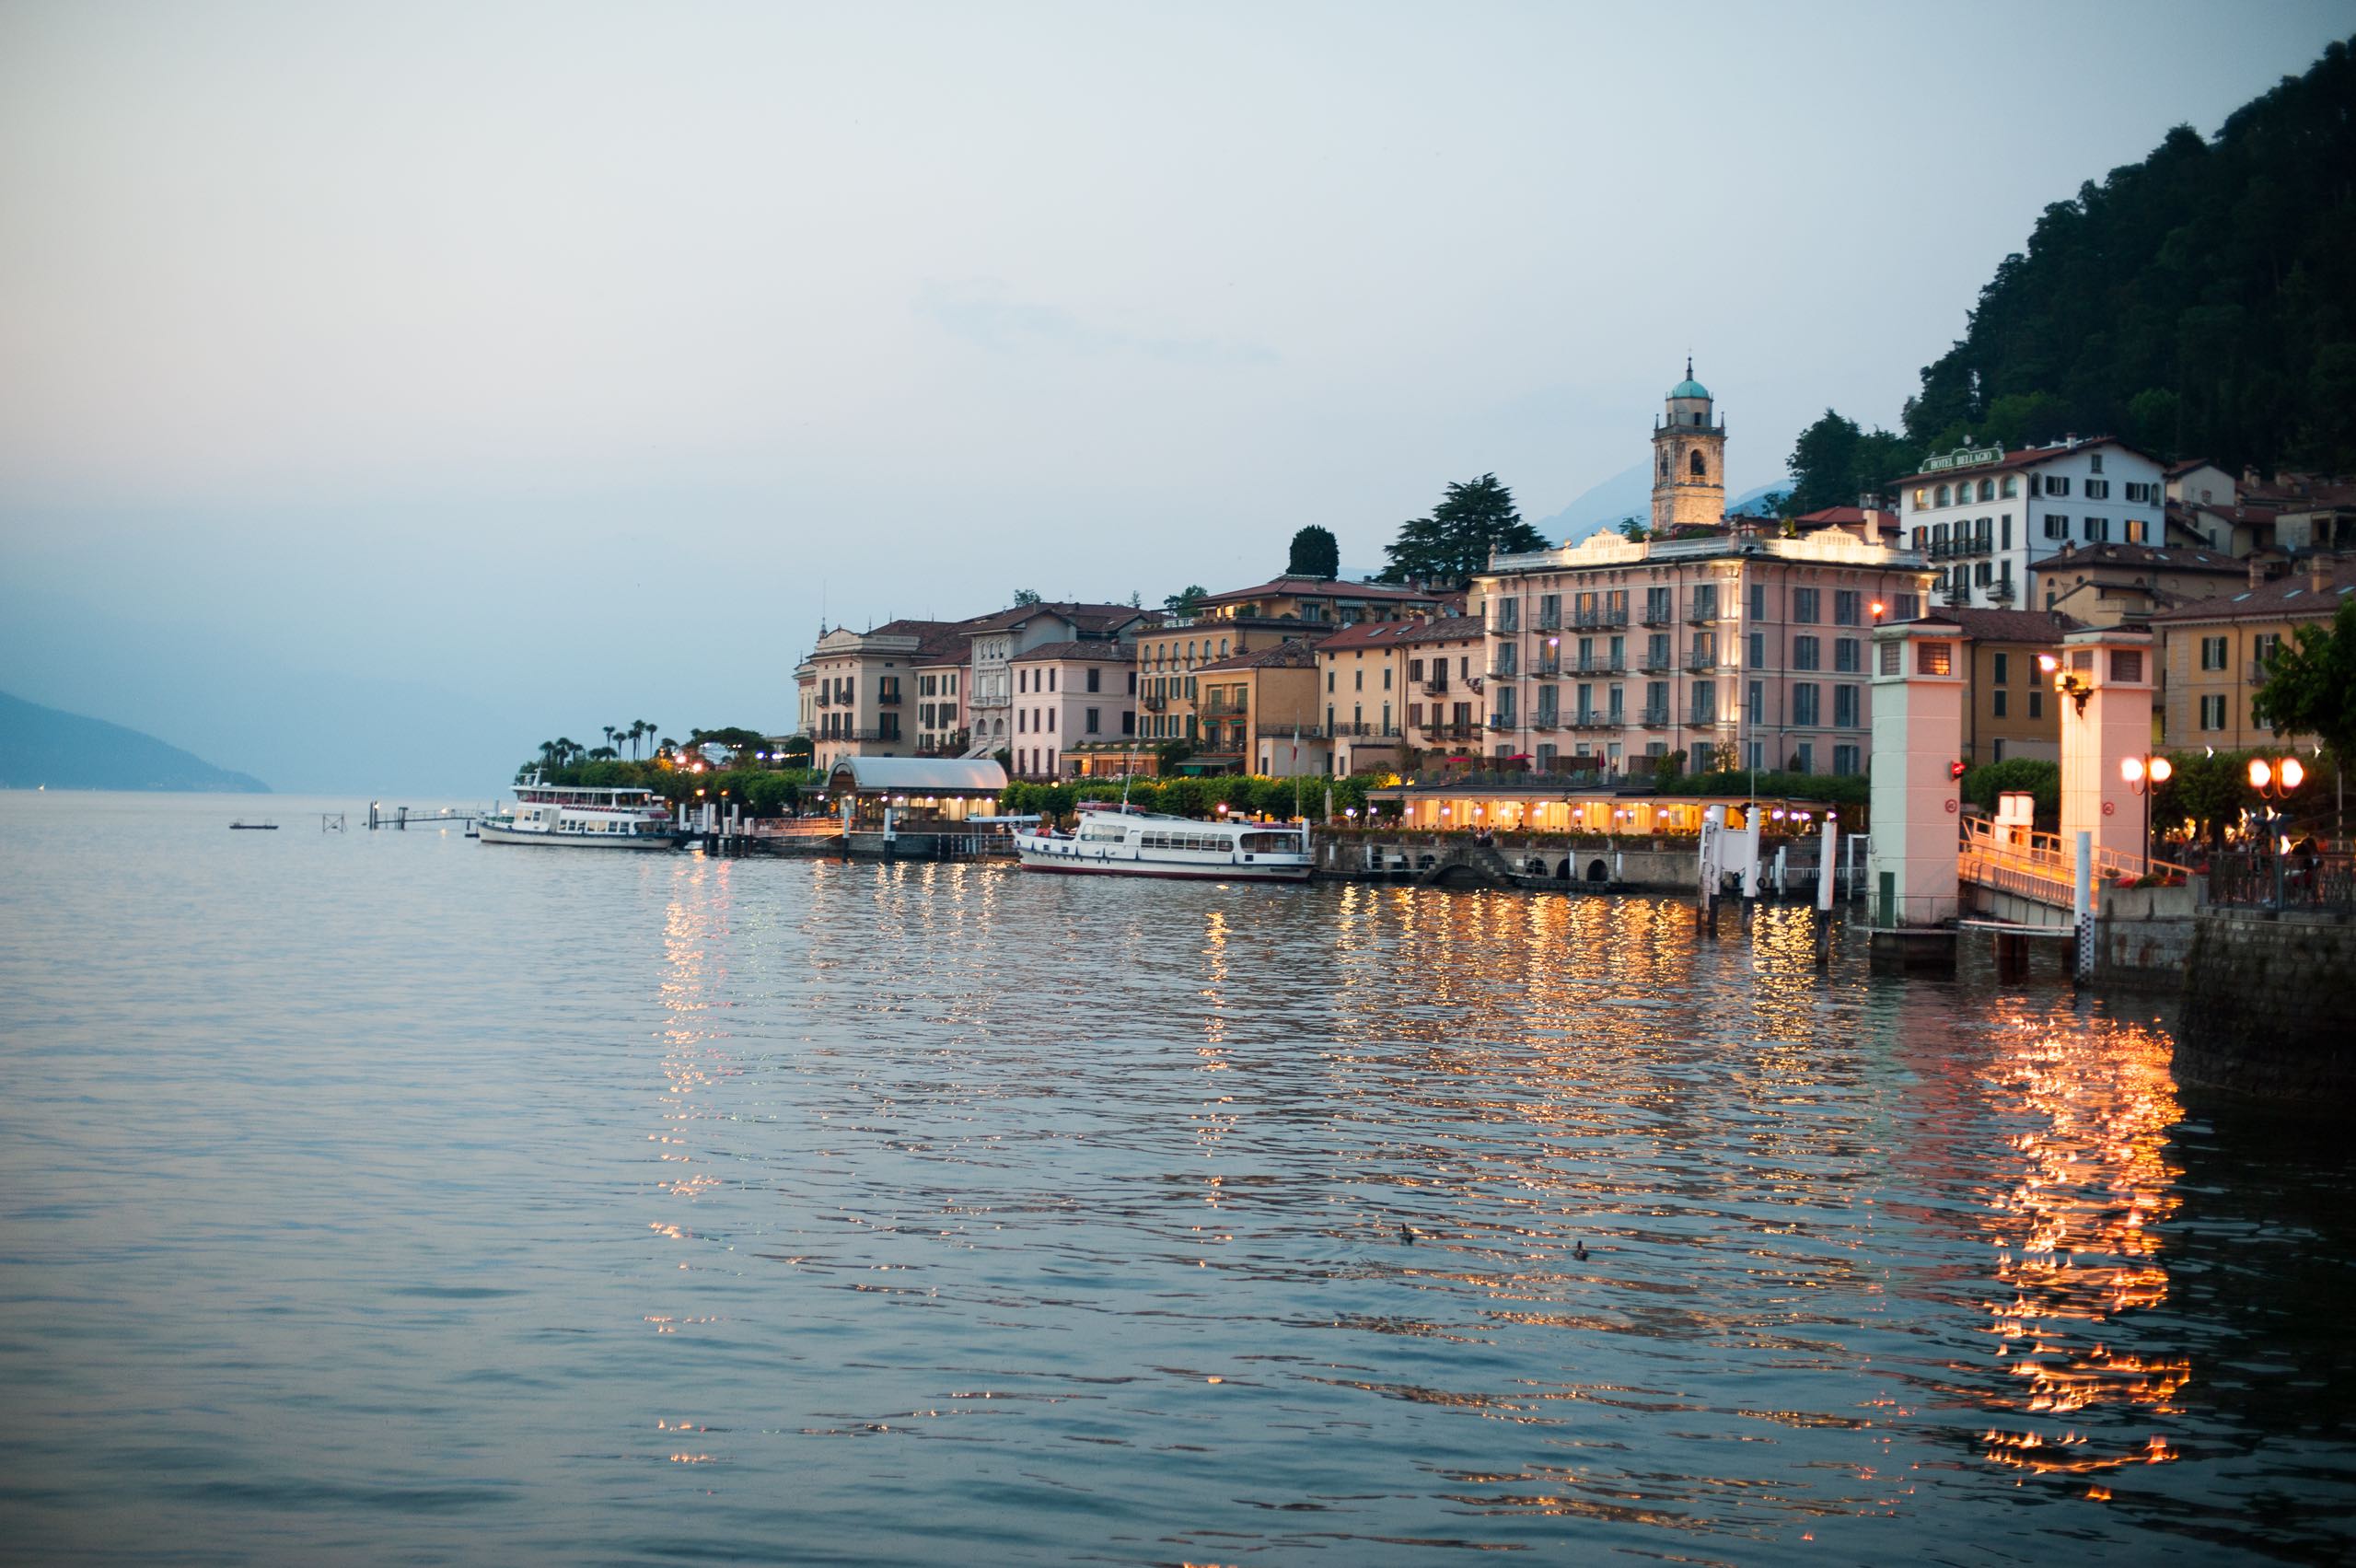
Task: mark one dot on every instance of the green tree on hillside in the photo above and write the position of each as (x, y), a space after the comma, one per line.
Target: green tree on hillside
(1834, 463)
(1316, 554)
(1186, 600)
(1445, 549)
(2196, 304)
(2311, 684)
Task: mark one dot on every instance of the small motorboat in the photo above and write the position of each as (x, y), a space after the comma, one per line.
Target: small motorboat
(253, 827)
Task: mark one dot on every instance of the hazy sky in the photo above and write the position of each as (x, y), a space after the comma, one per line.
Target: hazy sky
(385, 389)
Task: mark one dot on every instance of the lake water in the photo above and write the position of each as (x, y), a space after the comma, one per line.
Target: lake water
(391, 1198)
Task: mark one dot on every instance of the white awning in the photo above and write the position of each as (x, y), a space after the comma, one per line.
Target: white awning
(918, 775)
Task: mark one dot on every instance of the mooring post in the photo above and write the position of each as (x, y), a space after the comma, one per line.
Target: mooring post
(2082, 904)
(1824, 894)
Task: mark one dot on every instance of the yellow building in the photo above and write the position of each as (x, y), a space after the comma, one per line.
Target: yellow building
(2009, 708)
(1257, 712)
(2214, 652)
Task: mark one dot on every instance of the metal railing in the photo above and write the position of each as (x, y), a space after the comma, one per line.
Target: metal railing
(2325, 884)
(1603, 664)
(1545, 623)
(1654, 719)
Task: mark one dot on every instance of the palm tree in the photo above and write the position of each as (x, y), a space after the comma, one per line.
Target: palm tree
(609, 735)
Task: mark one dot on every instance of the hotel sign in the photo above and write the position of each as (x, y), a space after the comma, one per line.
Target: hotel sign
(1964, 457)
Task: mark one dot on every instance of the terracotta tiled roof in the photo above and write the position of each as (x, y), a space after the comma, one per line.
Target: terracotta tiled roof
(1278, 656)
(1100, 652)
(1369, 634)
(1320, 587)
(2291, 597)
(1449, 629)
(2163, 558)
(2013, 625)
(1086, 617)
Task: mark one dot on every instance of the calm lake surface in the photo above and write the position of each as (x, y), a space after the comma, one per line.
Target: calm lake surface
(391, 1198)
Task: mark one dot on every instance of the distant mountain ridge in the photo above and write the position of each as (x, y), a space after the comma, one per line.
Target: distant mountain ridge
(46, 747)
(1628, 494)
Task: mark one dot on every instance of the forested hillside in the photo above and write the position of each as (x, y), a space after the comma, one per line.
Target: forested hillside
(2201, 302)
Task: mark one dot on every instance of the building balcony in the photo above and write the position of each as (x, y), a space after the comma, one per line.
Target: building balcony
(1589, 618)
(1654, 718)
(1503, 722)
(1500, 672)
(1227, 709)
(1602, 664)
(1703, 718)
(943, 745)
(1661, 617)
(1545, 669)
(888, 699)
(1436, 687)
(1545, 623)
(1657, 664)
(1152, 702)
(1703, 614)
(1546, 720)
(1594, 720)
(1444, 731)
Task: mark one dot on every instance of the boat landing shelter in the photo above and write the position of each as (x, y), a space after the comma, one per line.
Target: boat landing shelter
(913, 789)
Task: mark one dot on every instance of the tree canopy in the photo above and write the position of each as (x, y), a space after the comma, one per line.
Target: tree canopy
(1833, 463)
(1445, 549)
(1026, 597)
(1184, 601)
(2311, 684)
(2200, 303)
(1316, 554)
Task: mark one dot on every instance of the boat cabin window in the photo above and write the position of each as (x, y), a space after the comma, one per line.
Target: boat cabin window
(1271, 843)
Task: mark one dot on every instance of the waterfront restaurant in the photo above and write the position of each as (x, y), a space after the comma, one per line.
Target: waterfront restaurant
(1534, 805)
(917, 789)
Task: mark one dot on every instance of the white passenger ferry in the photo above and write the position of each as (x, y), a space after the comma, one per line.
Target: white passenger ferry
(598, 819)
(1115, 842)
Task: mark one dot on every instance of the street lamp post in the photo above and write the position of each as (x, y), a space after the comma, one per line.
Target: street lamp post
(2144, 774)
(2274, 780)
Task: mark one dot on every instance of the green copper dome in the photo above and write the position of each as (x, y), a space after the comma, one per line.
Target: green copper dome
(1689, 388)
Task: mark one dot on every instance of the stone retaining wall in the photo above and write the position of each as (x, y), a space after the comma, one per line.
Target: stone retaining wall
(2143, 937)
(2269, 1007)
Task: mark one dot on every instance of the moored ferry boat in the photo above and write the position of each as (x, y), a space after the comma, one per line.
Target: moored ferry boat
(594, 818)
(1112, 841)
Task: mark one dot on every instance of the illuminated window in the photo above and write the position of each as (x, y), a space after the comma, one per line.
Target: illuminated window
(1934, 658)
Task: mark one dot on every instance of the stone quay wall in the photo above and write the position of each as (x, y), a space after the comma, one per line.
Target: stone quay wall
(2143, 938)
(2269, 1006)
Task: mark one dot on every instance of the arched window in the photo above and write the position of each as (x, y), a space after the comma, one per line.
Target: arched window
(1698, 471)
(1941, 499)
(2011, 486)
(1988, 490)
(1664, 464)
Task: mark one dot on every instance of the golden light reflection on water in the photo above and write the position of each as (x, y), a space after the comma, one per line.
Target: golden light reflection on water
(2075, 1235)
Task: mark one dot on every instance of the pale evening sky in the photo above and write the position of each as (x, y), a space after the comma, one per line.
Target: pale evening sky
(387, 388)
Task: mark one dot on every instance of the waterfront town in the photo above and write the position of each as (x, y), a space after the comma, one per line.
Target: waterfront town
(1558, 689)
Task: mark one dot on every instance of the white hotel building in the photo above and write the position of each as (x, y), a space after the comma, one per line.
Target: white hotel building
(1982, 517)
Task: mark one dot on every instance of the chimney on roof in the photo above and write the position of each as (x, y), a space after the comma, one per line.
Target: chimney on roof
(2256, 571)
(2320, 572)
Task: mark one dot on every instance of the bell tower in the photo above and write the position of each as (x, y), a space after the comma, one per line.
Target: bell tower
(1688, 459)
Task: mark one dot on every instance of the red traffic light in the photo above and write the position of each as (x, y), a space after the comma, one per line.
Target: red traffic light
(1954, 770)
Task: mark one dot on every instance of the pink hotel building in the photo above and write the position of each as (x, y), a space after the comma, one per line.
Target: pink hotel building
(1736, 649)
